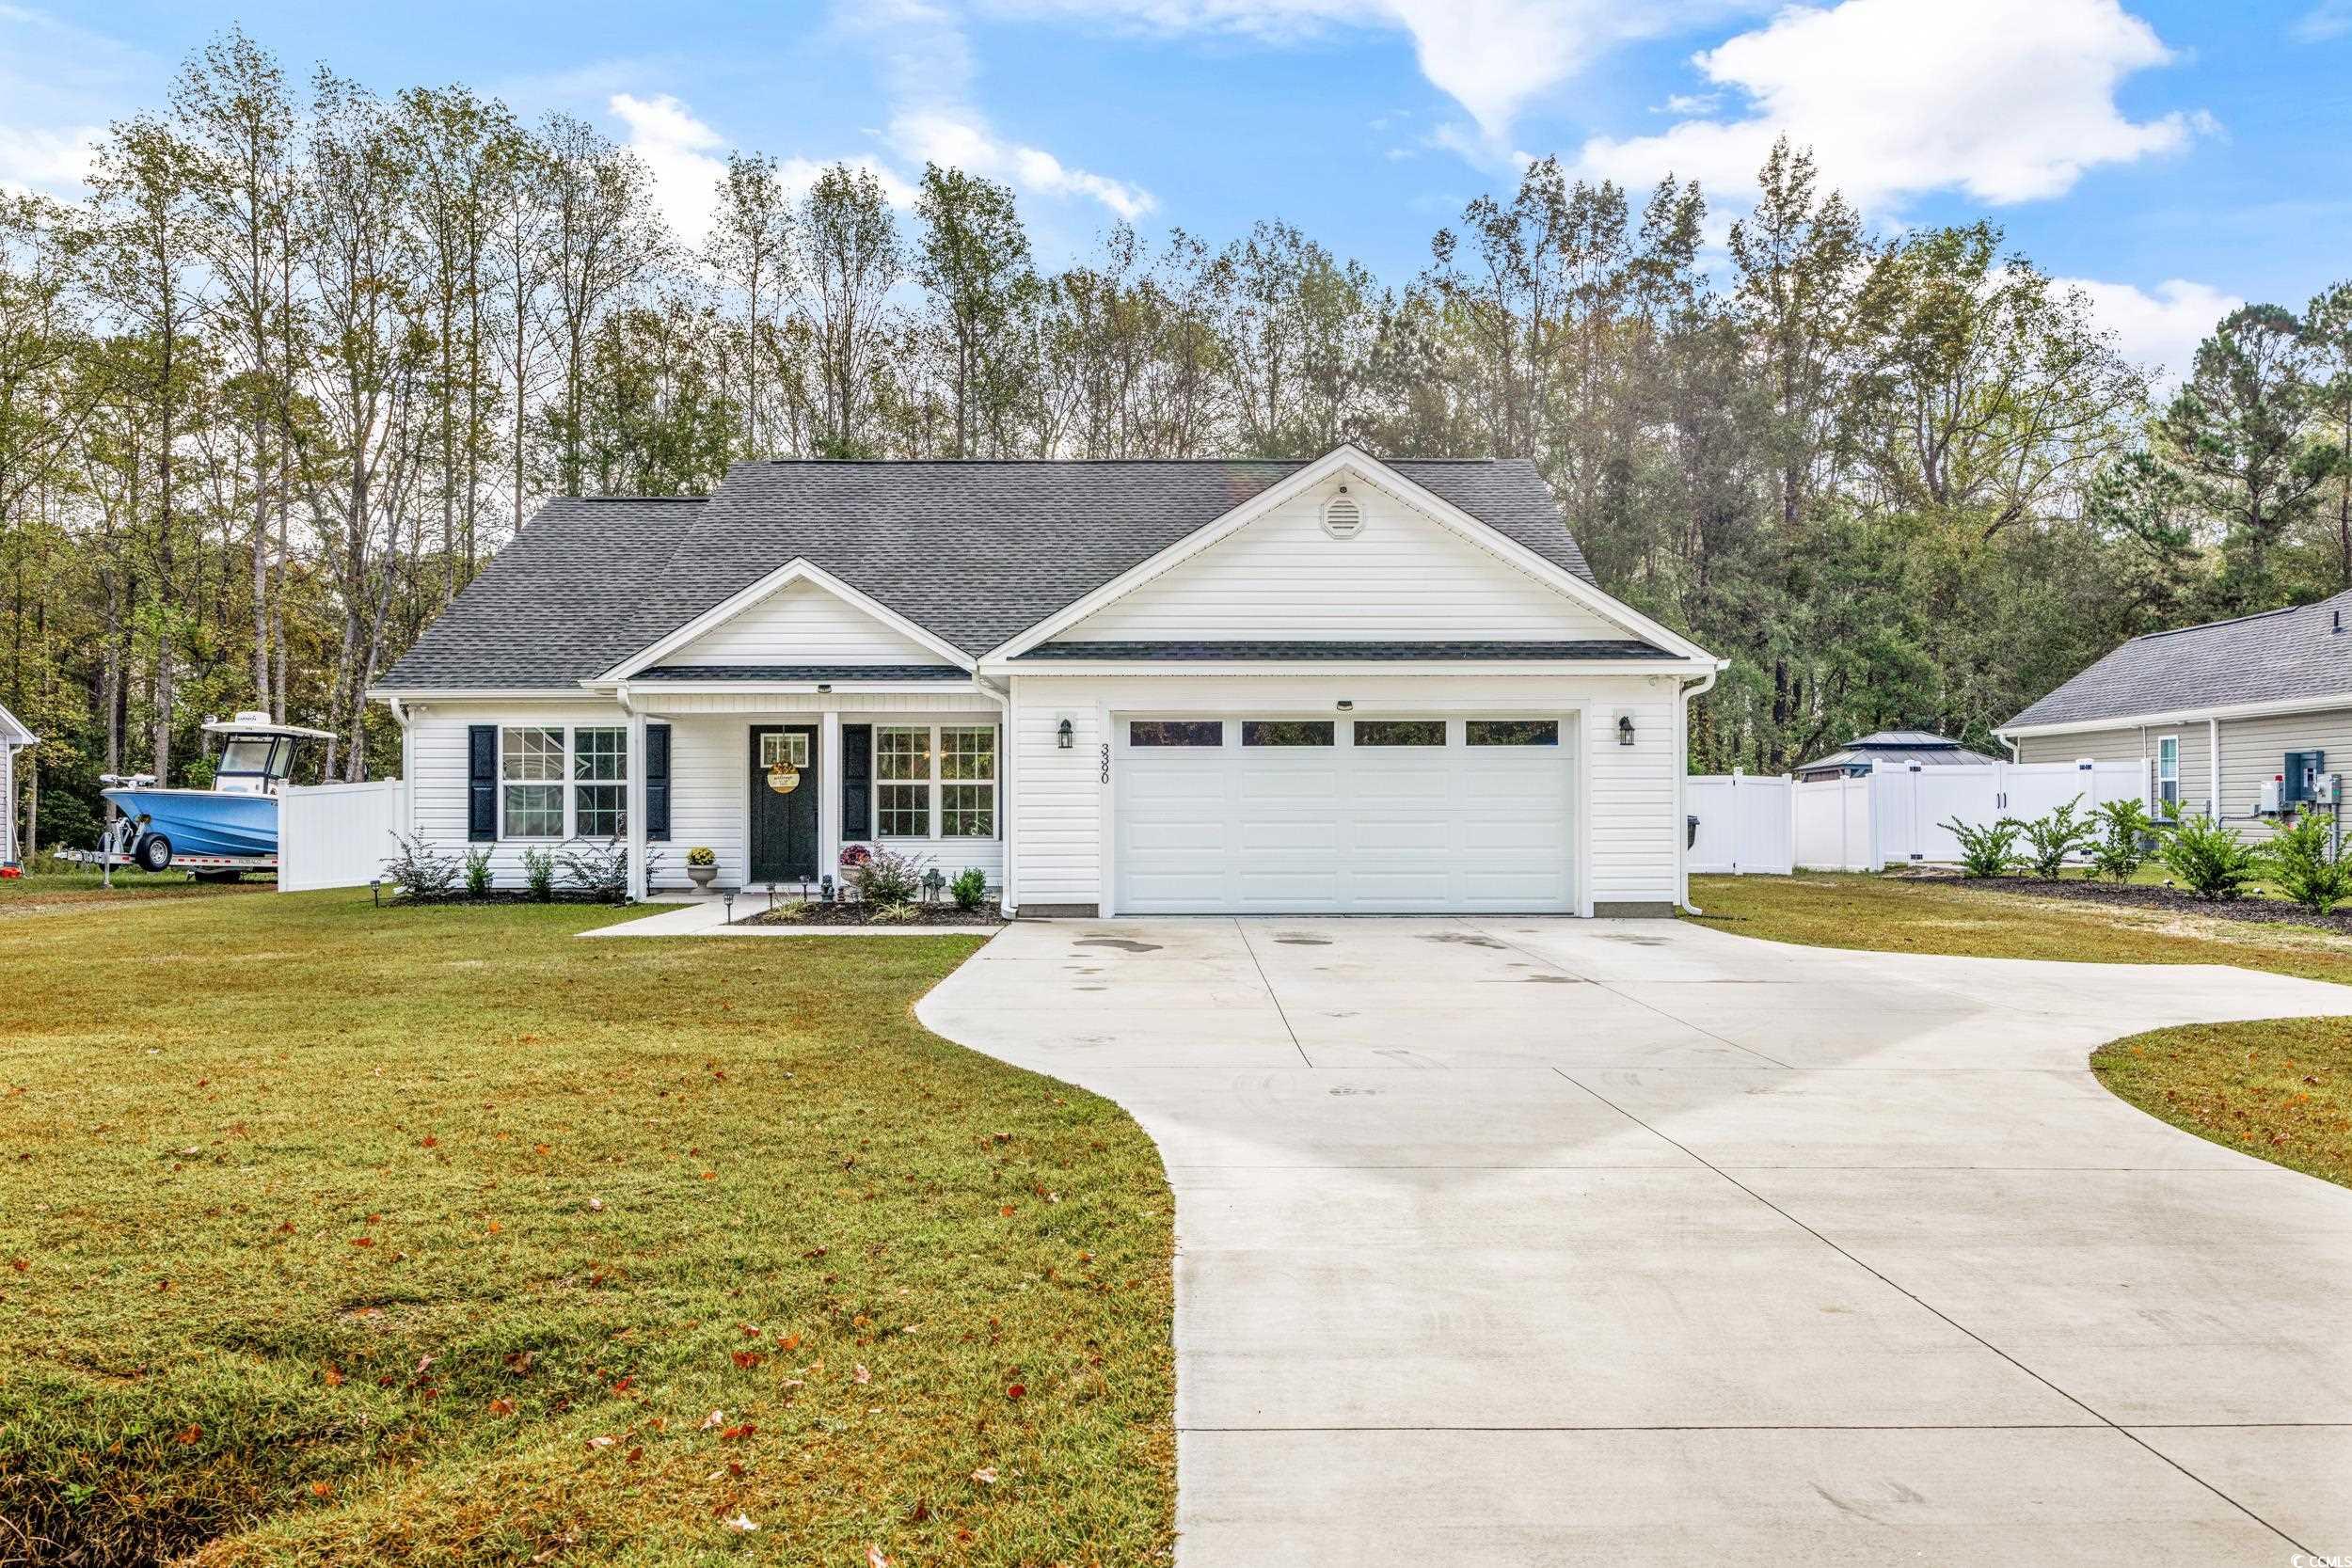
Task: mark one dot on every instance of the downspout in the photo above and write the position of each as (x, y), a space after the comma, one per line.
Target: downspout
(407, 769)
(1682, 774)
(2014, 755)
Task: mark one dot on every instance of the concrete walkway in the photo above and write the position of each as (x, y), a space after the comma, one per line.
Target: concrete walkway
(1533, 1241)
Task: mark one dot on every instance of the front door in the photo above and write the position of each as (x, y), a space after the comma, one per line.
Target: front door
(784, 803)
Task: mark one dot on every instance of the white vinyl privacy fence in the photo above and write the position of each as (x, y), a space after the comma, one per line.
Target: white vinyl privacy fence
(337, 835)
(1896, 816)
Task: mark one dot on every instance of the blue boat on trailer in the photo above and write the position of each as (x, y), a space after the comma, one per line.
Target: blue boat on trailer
(230, 827)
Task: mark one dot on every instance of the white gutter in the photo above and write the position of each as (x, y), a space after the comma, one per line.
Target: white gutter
(1682, 776)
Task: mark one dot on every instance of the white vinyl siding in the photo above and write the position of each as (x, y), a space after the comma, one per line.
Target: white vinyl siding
(1404, 577)
(804, 623)
(1057, 798)
(711, 758)
(2253, 752)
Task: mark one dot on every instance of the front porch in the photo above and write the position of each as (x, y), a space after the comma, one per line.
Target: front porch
(776, 777)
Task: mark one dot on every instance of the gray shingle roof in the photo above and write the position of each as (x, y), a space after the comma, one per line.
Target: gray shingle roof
(558, 603)
(2255, 658)
(974, 552)
(1586, 649)
(1897, 748)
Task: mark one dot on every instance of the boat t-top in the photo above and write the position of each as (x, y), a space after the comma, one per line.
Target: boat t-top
(230, 827)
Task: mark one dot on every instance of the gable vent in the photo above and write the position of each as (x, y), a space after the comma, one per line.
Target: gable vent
(1342, 518)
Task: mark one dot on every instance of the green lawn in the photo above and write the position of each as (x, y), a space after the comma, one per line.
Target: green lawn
(2278, 1089)
(338, 1235)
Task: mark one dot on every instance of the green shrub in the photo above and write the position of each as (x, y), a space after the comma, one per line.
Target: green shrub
(2308, 864)
(969, 888)
(1987, 851)
(894, 914)
(420, 870)
(477, 872)
(2125, 829)
(2208, 859)
(2050, 839)
(539, 873)
(884, 877)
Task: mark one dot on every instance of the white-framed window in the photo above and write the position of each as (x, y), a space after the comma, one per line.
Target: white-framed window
(557, 783)
(530, 781)
(2168, 774)
(967, 788)
(600, 783)
(784, 747)
(902, 781)
(935, 781)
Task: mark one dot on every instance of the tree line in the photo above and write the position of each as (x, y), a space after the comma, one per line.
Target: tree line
(308, 355)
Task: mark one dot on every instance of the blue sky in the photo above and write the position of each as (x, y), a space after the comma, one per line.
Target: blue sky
(2175, 157)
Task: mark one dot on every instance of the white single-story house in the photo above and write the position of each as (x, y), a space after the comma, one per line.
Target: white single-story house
(14, 737)
(1115, 687)
(2214, 712)
(1890, 750)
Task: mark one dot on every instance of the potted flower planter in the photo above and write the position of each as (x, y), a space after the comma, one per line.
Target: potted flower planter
(702, 868)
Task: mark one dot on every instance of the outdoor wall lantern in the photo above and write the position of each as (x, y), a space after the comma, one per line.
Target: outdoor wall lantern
(1064, 736)
(1625, 729)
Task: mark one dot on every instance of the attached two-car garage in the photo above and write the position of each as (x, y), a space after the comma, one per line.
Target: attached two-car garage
(1369, 813)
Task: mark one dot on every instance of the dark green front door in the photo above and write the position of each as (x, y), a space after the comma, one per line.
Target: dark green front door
(783, 822)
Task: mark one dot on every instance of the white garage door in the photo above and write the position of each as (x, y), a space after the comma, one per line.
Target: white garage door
(1354, 815)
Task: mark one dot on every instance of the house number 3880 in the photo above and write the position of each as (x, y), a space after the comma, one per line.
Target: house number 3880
(1106, 762)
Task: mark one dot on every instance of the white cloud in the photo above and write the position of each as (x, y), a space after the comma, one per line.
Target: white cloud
(955, 139)
(683, 153)
(2005, 99)
(2160, 327)
(57, 162)
(2329, 19)
(928, 75)
(1493, 57)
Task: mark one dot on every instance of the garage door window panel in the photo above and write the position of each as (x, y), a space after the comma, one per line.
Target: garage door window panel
(1512, 731)
(1287, 731)
(1400, 732)
(1176, 732)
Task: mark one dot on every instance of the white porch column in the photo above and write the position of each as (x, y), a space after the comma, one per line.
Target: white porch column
(828, 784)
(635, 794)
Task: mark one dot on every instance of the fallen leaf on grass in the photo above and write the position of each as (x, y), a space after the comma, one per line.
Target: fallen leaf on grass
(746, 1359)
(602, 1442)
(788, 1341)
(736, 1433)
(320, 1489)
(861, 1375)
(501, 1406)
(189, 1437)
(741, 1524)
(985, 1475)
(332, 1377)
(1015, 1392)
(874, 1558)
(716, 1418)
(595, 1206)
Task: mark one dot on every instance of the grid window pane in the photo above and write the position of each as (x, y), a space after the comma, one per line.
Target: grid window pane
(1400, 732)
(601, 810)
(775, 747)
(534, 811)
(1176, 732)
(967, 753)
(1512, 731)
(967, 811)
(533, 756)
(902, 753)
(1287, 731)
(600, 755)
(904, 810)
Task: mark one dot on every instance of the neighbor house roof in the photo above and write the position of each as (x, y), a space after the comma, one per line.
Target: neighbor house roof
(973, 553)
(1898, 747)
(2279, 656)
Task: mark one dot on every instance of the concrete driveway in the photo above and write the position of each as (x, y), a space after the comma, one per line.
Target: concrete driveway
(1552, 1242)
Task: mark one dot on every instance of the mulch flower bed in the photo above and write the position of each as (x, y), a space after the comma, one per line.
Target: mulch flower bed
(842, 913)
(2254, 910)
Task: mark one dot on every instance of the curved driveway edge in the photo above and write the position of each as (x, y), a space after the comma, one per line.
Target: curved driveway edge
(1544, 1242)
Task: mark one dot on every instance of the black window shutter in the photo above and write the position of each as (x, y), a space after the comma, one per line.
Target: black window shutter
(658, 783)
(857, 778)
(482, 783)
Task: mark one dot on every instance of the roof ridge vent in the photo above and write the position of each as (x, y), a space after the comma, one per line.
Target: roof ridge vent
(1343, 515)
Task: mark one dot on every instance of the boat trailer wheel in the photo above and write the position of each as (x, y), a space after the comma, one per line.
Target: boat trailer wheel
(154, 853)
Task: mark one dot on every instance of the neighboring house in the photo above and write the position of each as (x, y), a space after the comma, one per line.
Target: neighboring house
(1114, 686)
(2213, 711)
(1890, 750)
(14, 737)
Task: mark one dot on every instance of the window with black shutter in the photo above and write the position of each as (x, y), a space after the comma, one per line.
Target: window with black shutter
(657, 783)
(482, 783)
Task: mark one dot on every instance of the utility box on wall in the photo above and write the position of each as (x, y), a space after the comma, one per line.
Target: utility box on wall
(2301, 775)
